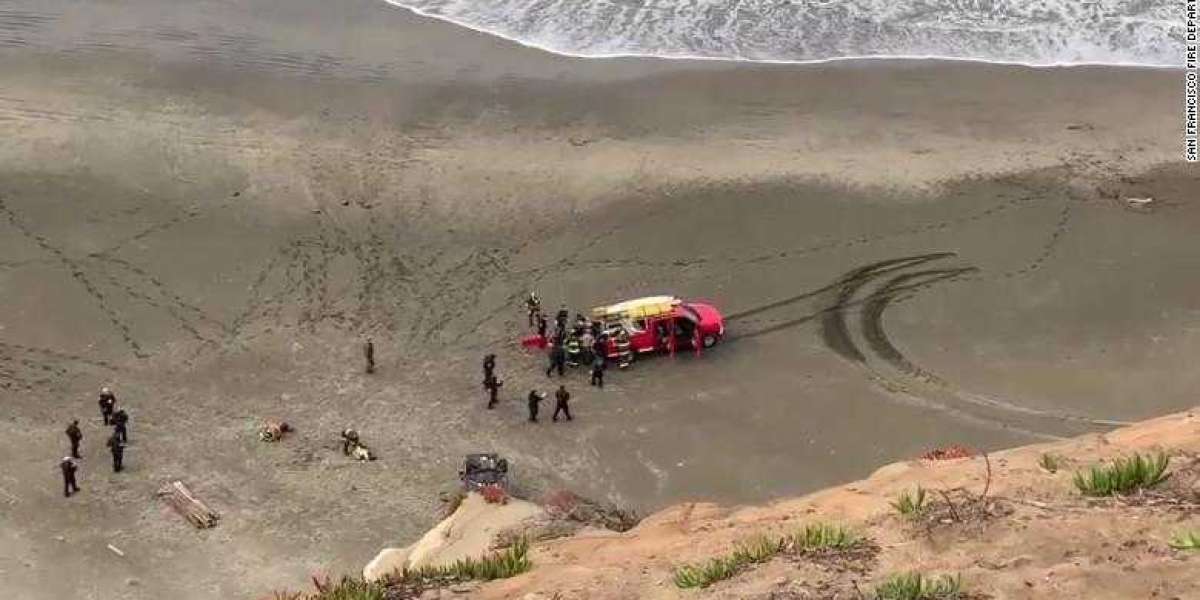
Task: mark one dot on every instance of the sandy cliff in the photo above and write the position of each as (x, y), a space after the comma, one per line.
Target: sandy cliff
(1034, 536)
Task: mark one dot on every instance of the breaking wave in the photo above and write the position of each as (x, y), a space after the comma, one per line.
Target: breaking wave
(1034, 32)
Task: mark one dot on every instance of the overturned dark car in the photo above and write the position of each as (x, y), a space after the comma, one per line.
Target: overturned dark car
(481, 470)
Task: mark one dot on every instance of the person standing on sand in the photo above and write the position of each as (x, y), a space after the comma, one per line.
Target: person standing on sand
(75, 436)
(117, 447)
(558, 359)
(120, 421)
(489, 365)
(369, 354)
(598, 371)
(587, 345)
(561, 397)
(600, 348)
(68, 471)
(492, 385)
(534, 306)
(108, 402)
(535, 397)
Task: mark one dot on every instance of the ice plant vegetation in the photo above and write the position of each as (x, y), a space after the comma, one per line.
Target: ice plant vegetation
(911, 505)
(1124, 475)
(915, 586)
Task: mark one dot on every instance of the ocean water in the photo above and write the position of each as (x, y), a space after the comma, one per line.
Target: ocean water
(1036, 32)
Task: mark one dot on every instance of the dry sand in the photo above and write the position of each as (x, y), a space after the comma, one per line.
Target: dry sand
(207, 207)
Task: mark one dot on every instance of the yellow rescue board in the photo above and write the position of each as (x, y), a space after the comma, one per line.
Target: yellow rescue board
(638, 308)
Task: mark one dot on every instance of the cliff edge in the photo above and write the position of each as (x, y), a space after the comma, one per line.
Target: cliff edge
(1014, 524)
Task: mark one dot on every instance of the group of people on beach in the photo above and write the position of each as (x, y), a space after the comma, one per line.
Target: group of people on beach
(110, 415)
(492, 384)
(586, 342)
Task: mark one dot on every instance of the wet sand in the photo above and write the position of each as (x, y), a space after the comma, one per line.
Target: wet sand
(208, 208)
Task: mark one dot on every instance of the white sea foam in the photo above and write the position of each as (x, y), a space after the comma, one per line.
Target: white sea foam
(1033, 32)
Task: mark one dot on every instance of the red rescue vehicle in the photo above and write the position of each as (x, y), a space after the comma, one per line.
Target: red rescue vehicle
(660, 324)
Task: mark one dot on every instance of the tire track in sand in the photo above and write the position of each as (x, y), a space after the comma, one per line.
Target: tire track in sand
(906, 388)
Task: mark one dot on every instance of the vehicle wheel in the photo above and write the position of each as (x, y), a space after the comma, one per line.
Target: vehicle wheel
(709, 340)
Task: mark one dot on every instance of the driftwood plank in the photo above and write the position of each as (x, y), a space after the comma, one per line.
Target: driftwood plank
(179, 497)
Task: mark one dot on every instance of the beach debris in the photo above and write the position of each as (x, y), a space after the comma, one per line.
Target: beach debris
(579, 142)
(272, 431)
(116, 550)
(180, 498)
(1139, 202)
(1079, 127)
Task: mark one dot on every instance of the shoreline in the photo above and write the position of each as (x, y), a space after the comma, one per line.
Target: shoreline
(765, 61)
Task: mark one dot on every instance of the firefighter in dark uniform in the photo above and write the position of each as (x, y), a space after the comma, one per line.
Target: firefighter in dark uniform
(560, 319)
(598, 371)
(108, 402)
(601, 347)
(117, 447)
(120, 421)
(489, 365)
(561, 397)
(68, 470)
(535, 397)
(75, 436)
(558, 359)
(369, 354)
(492, 385)
(541, 326)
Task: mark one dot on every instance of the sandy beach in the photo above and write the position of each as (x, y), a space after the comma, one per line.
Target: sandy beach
(209, 206)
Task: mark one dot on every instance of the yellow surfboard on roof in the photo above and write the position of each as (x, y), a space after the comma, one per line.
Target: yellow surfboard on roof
(638, 308)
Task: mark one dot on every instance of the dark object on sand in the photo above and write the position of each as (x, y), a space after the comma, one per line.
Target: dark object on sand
(481, 470)
(180, 498)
